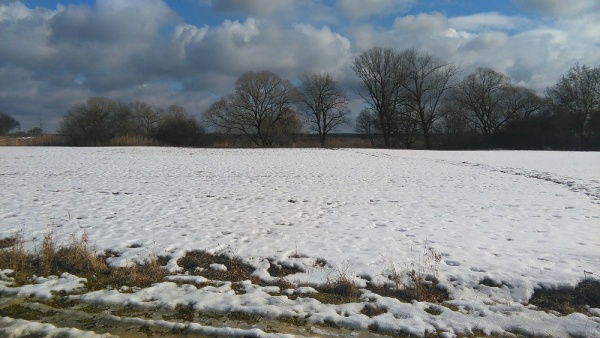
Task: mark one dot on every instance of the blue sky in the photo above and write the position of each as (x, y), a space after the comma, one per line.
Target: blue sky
(190, 52)
(199, 12)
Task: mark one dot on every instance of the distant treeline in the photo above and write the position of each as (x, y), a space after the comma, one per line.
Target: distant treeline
(412, 100)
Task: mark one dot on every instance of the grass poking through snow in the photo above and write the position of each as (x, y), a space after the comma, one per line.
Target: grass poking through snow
(565, 301)
(199, 263)
(76, 258)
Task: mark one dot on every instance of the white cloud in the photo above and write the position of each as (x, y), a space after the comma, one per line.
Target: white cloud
(255, 8)
(422, 23)
(356, 9)
(533, 55)
(26, 32)
(111, 21)
(560, 8)
(63, 55)
(487, 21)
(233, 48)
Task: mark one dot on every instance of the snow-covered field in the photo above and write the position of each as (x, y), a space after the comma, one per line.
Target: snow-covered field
(521, 219)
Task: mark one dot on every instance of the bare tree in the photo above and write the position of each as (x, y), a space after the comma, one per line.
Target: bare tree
(366, 124)
(425, 83)
(259, 108)
(146, 119)
(380, 72)
(96, 122)
(7, 123)
(180, 129)
(406, 127)
(577, 96)
(488, 101)
(520, 102)
(324, 104)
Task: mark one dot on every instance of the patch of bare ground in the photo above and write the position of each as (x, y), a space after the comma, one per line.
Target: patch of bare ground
(279, 270)
(425, 292)
(199, 263)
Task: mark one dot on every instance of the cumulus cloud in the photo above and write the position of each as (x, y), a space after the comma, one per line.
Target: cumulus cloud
(121, 50)
(110, 21)
(560, 8)
(422, 23)
(356, 9)
(488, 21)
(254, 8)
(533, 55)
(140, 49)
(235, 47)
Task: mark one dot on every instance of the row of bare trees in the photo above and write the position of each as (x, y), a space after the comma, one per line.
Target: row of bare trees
(403, 92)
(100, 120)
(411, 96)
(263, 109)
(268, 110)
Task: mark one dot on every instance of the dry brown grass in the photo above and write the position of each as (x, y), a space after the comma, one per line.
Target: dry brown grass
(417, 282)
(372, 310)
(76, 258)
(277, 270)
(133, 141)
(339, 288)
(341, 285)
(7, 242)
(39, 140)
(47, 253)
(198, 263)
(17, 259)
(585, 295)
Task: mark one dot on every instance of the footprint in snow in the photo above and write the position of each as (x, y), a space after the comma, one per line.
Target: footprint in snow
(452, 263)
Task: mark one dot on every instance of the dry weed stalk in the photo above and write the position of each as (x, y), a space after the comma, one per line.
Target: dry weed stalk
(417, 280)
(17, 259)
(47, 253)
(341, 283)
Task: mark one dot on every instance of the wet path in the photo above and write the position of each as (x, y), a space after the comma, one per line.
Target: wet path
(131, 322)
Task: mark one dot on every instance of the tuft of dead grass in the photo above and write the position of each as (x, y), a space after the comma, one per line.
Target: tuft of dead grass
(339, 288)
(418, 282)
(277, 270)
(7, 242)
(17, 259)
(198, 263)
(372, 310)
(342, 285)
(565, 301)
(77, 258)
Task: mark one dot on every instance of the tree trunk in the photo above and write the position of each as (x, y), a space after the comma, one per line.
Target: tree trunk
(322, 139)
(428, 145)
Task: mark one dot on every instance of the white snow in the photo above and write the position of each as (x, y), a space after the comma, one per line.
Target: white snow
(218, 267)
(44, 287)
(10, 328)
(522, 219)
